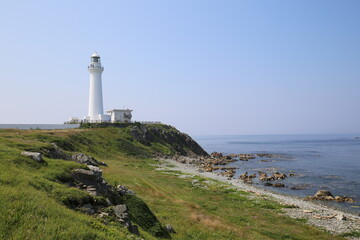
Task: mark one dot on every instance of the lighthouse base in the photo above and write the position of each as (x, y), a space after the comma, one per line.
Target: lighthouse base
(97, 119)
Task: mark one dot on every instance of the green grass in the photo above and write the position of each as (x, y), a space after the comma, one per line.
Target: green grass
(352, 234)
(35, 204)
(215, 212)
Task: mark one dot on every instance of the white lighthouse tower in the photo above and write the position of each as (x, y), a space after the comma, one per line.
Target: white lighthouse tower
(96, 108)
(96, 111)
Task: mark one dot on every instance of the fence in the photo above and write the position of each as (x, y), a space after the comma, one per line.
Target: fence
(109, 121)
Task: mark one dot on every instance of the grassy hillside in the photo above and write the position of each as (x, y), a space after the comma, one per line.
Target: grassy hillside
(37, 204)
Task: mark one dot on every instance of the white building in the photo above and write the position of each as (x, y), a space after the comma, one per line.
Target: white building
(96, 109)
(120, 115)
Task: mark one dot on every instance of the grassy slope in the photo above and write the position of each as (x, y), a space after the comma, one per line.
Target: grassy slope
(32, 197)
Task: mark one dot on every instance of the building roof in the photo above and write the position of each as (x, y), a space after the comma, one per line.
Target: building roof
(119, 110)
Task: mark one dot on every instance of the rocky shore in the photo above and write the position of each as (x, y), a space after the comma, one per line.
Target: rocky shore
(314, 212)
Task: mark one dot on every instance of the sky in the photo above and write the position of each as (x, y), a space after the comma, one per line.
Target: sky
(205, 67)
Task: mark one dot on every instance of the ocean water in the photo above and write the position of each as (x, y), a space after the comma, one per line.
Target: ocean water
(38, 126)
(328, 162)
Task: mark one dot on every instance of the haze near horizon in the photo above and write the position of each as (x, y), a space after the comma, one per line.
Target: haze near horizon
(205, 67)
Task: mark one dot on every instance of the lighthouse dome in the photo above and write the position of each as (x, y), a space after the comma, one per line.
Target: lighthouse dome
(95, 55)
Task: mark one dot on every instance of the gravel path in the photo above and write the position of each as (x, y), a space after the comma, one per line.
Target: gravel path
(319, 215)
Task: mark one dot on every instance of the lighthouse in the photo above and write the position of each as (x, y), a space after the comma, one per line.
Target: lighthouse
(96, 109)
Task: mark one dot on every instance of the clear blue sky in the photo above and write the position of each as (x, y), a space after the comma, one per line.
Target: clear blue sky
(206, 67)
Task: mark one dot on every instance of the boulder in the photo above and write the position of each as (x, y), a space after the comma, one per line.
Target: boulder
(246, 156)
(85, 178)
(33, 155)
(298, 187)
(91, 181)
(278, 185)
(247, 178)
(344, 199)
(121, 211)
(103, 214)
(88, 209)
(216, 155)
(244, 176)
(122, 190)
(265, 177)
(341, 217)
(267, 155)
(327, 196)
(134, 229)
(85, 159)
(229, 173)
(252, 175)
(323, 193)
(279, 176)
(96, 170)
(169, 228)
(55, 152)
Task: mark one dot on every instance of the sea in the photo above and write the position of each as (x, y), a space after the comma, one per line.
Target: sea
(318, 162)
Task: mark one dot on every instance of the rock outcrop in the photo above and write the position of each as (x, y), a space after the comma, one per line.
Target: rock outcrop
(326, 195)
(55, 152)
(276, 176)
(216, 155)
(246, 156)
(91, 180)
(121, 212)
(85, 159)
(247, 178)
(179, 142)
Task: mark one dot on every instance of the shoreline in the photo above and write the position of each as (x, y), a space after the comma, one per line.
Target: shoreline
(322, 216)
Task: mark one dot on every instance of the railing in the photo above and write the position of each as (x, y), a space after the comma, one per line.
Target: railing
(150, 122)
(109, 121)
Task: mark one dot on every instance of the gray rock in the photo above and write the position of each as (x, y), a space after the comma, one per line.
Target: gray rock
(103, 214)
(92, 181)
(96, 170)
(134, 229)
(88, 209)
(278, 185)
(87, 178)
(122, 190)
(85, 159)
(341, 217)
(121, 211)
(323, 193)
(169, 228)
(140, 134)
(130, 192)
(56, 152)
(33, 155)
(84, 172)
